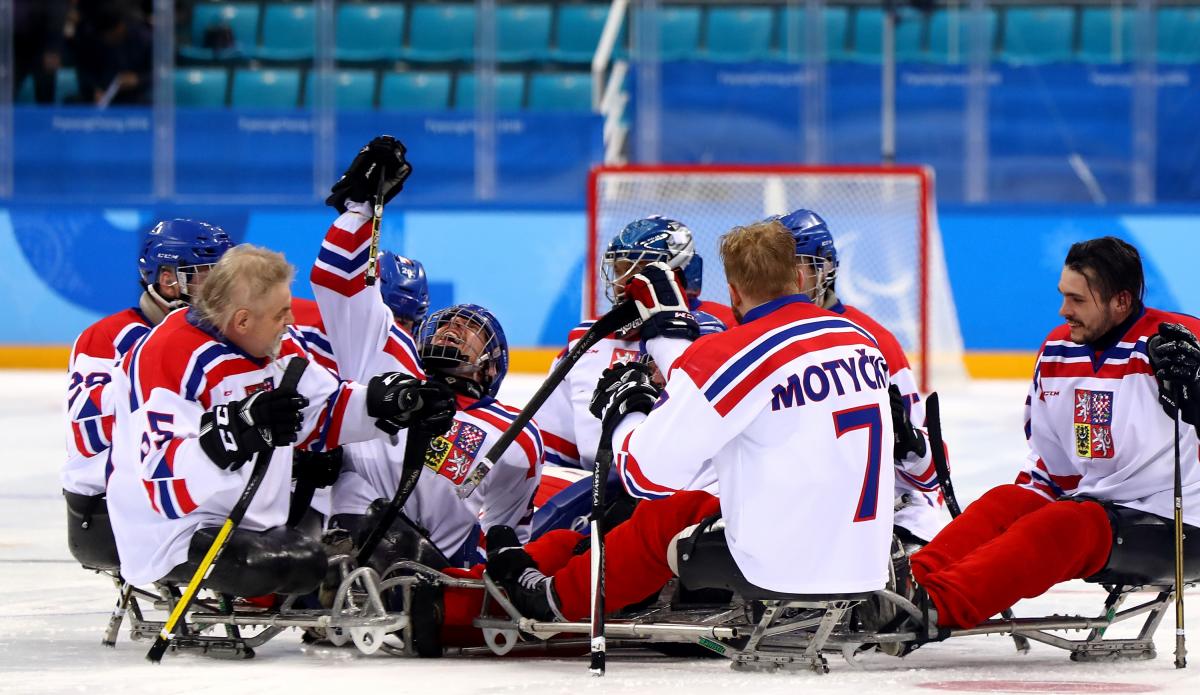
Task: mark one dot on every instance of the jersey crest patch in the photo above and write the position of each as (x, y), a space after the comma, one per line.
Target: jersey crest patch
(267, 384)
(453, 454)
(1093, 424)
(622, 356)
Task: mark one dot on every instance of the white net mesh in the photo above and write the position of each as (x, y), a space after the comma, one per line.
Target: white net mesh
(876, 218)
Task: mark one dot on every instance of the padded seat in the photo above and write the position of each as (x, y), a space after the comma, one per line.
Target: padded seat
(266, 88)
(240, 17)
(66, 85)
(201, 86)
(793, 32)
(1179, 34)
(578, 29)
(868, 33)
(367, 33)
(510, 91)
(739, 33)
(944, 26)
(1038, 34)
(522, 32)
(415, 90)
(1096, 35)
(289, 32)
(254, 563)
(440, 33)
(678, 32)
(352, 89)
(560, 92)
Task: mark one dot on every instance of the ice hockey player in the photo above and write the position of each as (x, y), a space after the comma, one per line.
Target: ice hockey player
(920, 510)
(175, 257)
(570, 430)
(369, 327)
(1101, 459)
(798, 390)
(202, 398)
(693, 275)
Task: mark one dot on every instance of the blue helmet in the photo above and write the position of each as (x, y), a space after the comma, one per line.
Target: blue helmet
(693, 275)
(187, 246)
(404, 287)
(814, 244)
(441, 340)
(647, 240)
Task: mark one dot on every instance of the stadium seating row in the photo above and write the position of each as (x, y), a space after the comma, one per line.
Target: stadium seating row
(441, 32)
(365, 88)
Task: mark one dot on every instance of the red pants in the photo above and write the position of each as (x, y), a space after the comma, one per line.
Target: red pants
(1010, 544)
(635, 563)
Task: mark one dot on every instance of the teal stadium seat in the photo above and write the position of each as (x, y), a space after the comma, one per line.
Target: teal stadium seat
(740, 33)
(1038, 34)
(276, 88)
(288, 32)
(367, 33)
(1179, 34)
(522, 32)
(66, 85)
(578, 31)
(561, 91)
(1096, 35)
(942, 49)
(25, 95)
(678, 32)
(427, 91)
(510, 91)
(793, 32)
(352, 89)
(868, 34)
(242, 19)
(201, 86)
(440, 33)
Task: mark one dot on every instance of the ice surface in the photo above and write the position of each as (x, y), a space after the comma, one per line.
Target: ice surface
(52, 613)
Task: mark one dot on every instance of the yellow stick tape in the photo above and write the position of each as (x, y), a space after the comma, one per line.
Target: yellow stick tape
(194, 584)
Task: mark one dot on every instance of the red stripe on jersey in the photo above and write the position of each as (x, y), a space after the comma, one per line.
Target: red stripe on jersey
(343, 286)
(524, 438)
(150, 493)
(400, 353)
(1084, 369)
(777, 359)
(629, 466)
(926, 476)
(888, 345)
(80, 440)
(346, 240)
(99, 339)
(562, 446)
(333, 439)
(185, 503)
(169, 454)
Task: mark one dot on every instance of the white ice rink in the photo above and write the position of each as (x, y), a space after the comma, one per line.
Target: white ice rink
(52, 613)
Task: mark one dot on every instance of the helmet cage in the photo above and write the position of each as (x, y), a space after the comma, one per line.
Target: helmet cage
(443, 342)
(821, 272)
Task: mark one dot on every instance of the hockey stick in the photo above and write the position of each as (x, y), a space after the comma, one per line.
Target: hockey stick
(937, 450)
(604, 458)
(262, 461)
(1180, 644)
(376, 221)
(618, 317)
(415, 447)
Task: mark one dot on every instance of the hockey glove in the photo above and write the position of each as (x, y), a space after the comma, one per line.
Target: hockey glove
(658, 293)
(399, 401)
(383, 156)
(624, 389)
(909, 439)
(1175, 359)
(231, 434)
(319, 468)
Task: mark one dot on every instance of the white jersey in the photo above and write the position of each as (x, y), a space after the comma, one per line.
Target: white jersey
(790, 410)
(570, 430)
(366, 341)
(916, 478)
(1096, 429)
(89, 407)
(164, 487)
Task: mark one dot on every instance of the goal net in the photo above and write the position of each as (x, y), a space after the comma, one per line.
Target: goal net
(882, 220)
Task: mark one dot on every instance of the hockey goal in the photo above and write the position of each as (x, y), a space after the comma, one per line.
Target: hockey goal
(882, 220)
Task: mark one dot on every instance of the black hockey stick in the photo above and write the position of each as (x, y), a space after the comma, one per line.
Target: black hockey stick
(937, 449)
(415, 447)
(604, 458)
(376, 221)
(262, 461)
(1180, 643)
(618, 317)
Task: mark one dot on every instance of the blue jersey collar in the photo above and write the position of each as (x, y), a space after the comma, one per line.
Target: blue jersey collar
(763, 309)
(838, 307)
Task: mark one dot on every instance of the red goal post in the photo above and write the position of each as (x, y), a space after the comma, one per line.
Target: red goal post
(882, 220)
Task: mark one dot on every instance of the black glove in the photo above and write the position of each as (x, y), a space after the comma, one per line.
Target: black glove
(398, 401)
(382, 156)
(1175, 359)
(623, 389)
(231, 434)
(318, 468)
(658, 293)
(909, 439)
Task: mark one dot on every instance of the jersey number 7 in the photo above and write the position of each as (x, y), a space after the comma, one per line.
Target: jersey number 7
(849, 420)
